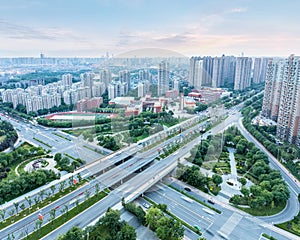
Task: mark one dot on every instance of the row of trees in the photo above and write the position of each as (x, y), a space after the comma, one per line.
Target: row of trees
(8, 134)
(285, 153)
(24, 183)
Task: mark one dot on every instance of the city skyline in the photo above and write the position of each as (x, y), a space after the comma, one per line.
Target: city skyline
(92, 28)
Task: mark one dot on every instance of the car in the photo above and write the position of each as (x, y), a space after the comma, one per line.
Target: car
(146, 205)
(197, 227)
(187, 189)
(211, 201)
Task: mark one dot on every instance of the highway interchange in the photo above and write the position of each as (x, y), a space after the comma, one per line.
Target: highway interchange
(141, 182)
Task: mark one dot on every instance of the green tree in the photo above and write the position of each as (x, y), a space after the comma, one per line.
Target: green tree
(217, 179)
(245, 191)
(52, 215)
(169, 229)
(29, 201)
(16, 205)
(52, 188)
(127, 232)
(111, 220)
(2, 214)
(75, 233)
(152, 217)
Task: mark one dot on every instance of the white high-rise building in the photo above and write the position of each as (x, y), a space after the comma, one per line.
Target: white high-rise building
(141, 90)
(260, 70)
(163, 78)
(111, 91)
(67, 80)
(201, 70)
(242, 73)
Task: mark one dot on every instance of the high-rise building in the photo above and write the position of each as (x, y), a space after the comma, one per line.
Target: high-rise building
(144, 75)
(67, 80)
(163, 78)
(105, 76)
(223, 71)
(260, 70)
(141, 90)
(272, 93)
(201, 70)
(242, 73)
(288, 120)
(124, 77)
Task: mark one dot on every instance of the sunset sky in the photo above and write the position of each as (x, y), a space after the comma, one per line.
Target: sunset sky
(83, 28)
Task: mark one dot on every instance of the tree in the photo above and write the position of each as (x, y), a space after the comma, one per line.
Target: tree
(2, 214)
(152, 217)
(38, 224)
(22, 206)
(217, 179)
(62, 185)
(243, 181)
(52, 215)
(169, 229)
(71, 180)
(245, 191)
(75, 233)
(16, 204)
(57, 157)
(111, 220)
(42, 194)
(127, 232)
(36, 200)
(11, 212)
(52, 188)
(79, 177)
(97, 188)
(29, 201)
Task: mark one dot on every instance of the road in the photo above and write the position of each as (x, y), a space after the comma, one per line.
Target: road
(107, 179)
(73, 146)
(233, 224)
(140, 182)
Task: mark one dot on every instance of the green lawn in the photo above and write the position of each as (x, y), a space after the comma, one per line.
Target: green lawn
(291, 227)
(263, 211)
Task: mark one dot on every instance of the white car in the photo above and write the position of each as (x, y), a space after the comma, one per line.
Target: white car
(146, 205)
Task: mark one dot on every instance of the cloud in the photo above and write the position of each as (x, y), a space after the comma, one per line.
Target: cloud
(23, 32)
(237, 10)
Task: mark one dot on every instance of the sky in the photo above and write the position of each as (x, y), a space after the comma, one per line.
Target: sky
(91, 28)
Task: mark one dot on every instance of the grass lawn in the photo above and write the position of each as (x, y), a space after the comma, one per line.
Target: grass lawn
(263, 211)
(208, 165)
(291, 227)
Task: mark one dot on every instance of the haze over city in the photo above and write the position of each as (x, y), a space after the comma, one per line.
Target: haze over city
(93, 27)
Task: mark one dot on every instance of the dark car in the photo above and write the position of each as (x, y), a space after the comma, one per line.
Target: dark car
(187, 189)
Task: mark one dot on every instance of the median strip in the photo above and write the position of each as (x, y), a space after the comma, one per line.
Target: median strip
(40, 141)
(53, 224)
